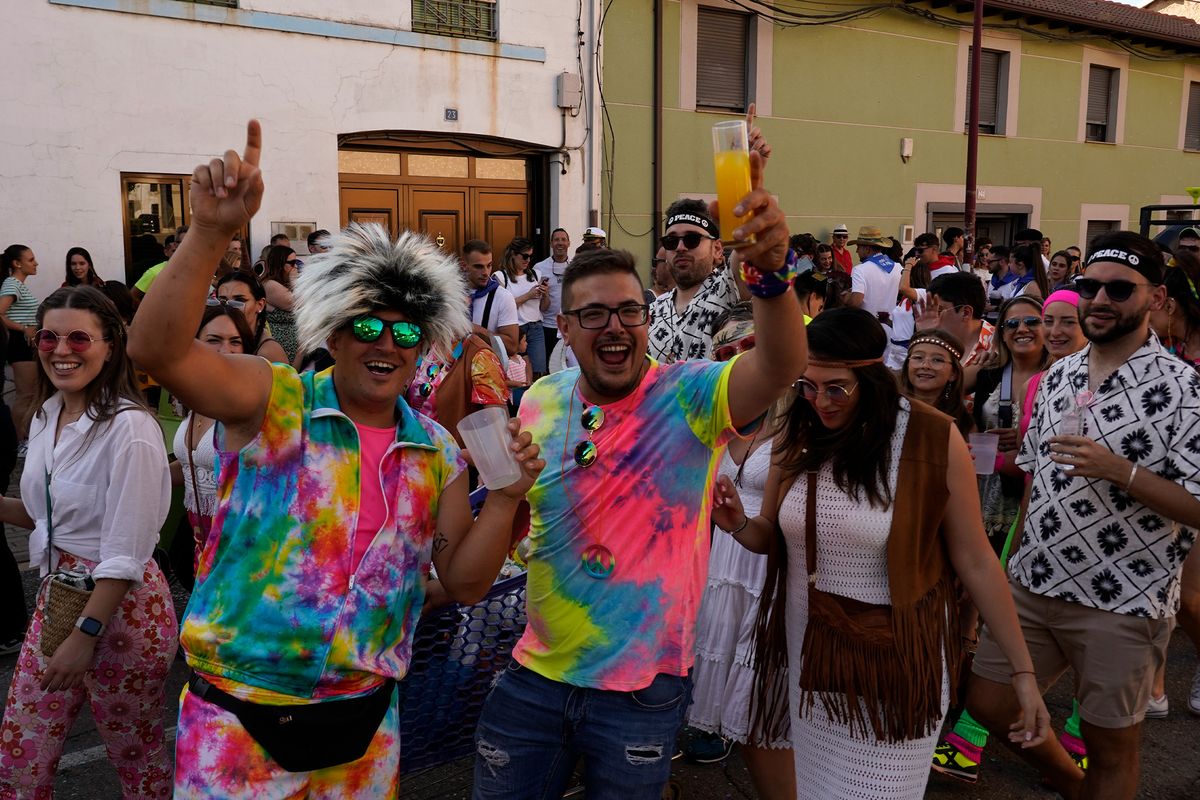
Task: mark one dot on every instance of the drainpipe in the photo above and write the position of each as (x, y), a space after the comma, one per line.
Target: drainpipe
(656, 197)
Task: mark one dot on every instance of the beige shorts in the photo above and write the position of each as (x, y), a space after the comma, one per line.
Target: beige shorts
(1114, 656)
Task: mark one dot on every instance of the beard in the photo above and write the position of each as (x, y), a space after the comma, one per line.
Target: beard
(1122, 326)
(692, 274)
(606, 384)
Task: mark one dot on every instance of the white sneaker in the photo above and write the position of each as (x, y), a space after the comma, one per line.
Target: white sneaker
(1157, 708)
(1194, 700)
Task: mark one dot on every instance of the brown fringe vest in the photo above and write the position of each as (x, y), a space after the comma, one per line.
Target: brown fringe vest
(897, 674)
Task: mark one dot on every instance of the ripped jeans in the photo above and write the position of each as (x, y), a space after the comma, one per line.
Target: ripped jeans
(533, 730)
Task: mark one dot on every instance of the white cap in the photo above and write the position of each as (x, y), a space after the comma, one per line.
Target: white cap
(596, 232)
(839, 229)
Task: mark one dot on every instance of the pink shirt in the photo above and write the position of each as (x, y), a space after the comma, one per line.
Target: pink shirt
(372, 510)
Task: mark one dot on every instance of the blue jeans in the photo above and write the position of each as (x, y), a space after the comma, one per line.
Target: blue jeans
(533, 730)
(535, 347)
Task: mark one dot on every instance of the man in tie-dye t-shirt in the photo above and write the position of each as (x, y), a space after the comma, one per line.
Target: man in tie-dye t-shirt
(334, 499)
(619, 532)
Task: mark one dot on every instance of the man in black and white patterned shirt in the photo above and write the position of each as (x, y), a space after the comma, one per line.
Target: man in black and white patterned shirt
(1096, 575)
(681, 324)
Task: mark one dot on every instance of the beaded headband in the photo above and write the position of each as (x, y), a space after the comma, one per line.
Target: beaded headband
(939, 342)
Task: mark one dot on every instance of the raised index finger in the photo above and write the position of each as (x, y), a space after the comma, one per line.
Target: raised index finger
(750, 117)
(756, 170)
(253, 143)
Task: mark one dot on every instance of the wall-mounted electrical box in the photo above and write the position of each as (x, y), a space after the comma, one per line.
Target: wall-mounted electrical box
(568, 90)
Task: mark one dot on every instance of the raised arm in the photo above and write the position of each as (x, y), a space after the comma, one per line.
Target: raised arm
(780, 353)
(225, 194)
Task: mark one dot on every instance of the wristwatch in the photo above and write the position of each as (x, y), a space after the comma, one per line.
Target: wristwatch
(90, 625)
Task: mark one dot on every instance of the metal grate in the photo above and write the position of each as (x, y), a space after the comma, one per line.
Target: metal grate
(465, 19)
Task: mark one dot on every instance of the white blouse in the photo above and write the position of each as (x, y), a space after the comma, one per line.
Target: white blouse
(110, 493)
(206, 469)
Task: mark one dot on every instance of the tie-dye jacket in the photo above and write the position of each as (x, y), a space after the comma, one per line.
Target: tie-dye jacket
(277, 605)
(647, 501)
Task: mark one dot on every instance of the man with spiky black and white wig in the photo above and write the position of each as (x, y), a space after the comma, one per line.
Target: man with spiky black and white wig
(334, 498)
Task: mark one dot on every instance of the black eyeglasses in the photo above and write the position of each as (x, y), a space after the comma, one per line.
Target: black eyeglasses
(295, 262)
(405, 334)
(835, 393)
(79, 341)
(586, 452)
(1012, 323)
(631, 315)
(691, 240)
(225, 301)
(526, 256)
(1118, 291)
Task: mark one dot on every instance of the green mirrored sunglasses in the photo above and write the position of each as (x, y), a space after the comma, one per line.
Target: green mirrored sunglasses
(405, 334)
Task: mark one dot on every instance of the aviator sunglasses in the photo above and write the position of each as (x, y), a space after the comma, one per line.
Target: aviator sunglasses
(212, 302)
(79, 341)
(1118, 291)
(1012, 323)
(405, 334)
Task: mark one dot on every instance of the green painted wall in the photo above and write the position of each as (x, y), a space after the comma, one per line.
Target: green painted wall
(843, 97)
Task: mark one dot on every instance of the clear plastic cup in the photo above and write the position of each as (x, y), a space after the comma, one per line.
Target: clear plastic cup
(983, 449)
(486, 435)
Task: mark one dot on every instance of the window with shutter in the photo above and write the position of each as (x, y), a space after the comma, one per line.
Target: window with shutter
(1101, 102)
(1099, 227)
(722, 58)
(1191, 135)
(993, 65)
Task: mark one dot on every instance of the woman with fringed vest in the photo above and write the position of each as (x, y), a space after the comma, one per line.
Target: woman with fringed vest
(869, 513)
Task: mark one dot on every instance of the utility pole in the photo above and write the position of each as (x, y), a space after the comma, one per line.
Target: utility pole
(973, 140)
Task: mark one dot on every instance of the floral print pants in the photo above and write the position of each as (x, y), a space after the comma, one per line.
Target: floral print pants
(216, 757)
(124, 688)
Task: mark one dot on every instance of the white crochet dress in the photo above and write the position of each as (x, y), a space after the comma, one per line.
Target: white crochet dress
(851, 561)
(724, 670)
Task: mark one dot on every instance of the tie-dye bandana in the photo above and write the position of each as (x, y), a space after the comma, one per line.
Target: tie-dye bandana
(619, 549)
(278, 609)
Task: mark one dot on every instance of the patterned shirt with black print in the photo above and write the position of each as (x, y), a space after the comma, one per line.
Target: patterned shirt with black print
(681, 337)
(1086, 540)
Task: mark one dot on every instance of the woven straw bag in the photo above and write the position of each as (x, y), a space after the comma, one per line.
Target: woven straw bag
(64, 601)
(64, 605)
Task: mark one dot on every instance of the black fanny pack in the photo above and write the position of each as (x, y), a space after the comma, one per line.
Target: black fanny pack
(306, 737)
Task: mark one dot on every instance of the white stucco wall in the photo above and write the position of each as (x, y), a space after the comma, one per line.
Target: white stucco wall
(89, 94)
(1176, 8)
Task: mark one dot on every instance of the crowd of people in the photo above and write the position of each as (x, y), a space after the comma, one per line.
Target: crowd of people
(751, 501)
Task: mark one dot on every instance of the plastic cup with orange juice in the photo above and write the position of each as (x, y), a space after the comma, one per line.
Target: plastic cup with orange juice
(731, 161)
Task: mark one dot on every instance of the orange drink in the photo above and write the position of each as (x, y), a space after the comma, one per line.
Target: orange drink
(731, 162)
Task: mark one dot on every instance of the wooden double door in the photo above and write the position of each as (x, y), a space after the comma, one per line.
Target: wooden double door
(448, 214)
